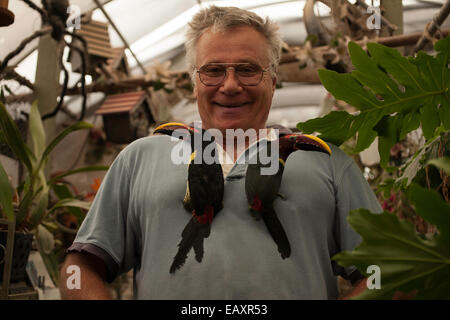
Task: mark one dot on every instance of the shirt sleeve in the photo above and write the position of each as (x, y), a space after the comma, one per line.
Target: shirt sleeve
(108, 231)
(352, 192)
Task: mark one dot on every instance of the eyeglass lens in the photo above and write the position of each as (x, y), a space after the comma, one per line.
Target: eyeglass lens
(247, 74)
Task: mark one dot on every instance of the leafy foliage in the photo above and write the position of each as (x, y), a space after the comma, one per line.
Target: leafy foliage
(31, 208)
(394, 95)
(33, 193)
(406, 259)
(442, 163)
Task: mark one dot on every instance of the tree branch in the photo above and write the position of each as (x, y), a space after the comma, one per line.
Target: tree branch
(22, 45)
(432, 27)
(11, 74)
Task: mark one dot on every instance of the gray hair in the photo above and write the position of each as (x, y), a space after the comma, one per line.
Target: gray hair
(226, 18)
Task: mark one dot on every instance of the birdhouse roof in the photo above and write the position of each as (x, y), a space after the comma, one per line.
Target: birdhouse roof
(122, 102)
(97, 37)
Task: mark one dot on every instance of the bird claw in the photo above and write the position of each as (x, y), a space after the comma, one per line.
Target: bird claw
(282, 196)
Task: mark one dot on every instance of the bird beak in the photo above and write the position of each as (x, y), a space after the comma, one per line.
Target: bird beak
(168, 128)
(309, 142)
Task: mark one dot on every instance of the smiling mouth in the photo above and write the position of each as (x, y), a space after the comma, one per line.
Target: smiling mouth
(231, 105)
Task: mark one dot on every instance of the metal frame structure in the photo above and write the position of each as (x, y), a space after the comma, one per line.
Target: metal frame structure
(7, 260)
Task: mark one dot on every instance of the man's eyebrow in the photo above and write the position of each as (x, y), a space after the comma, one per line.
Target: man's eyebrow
(230, 63)
(250, 61)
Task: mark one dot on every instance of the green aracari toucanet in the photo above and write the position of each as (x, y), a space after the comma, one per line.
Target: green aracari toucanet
(262, 189)
(204, 191)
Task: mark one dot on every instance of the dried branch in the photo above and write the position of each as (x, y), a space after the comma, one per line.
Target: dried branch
(83, 53)
(394, 41)
(313, 25)
(11, 74)
(433, 26)
(33, 6)
(22, 45)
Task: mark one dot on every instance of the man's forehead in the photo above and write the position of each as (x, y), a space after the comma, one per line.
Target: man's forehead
(244, 44)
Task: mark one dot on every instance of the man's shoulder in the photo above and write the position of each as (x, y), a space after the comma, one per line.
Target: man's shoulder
(338, 156)
(334, 165)
(150, 142)
(148, 149)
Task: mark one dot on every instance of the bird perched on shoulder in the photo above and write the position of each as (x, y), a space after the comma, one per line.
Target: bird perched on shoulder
(204, 193)
(262, 190)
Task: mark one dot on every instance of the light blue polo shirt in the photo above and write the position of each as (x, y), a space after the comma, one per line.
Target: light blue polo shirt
(137, 218)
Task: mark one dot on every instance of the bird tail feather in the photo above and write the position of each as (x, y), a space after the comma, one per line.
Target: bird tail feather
(277, 232)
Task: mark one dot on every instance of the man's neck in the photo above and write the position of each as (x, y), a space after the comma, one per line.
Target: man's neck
(235, 145)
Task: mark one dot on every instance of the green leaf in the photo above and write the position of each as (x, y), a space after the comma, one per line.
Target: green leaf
(76, 126)
(2, 137)
(394, 63)
(442, 163)
(52, 265)
(39, 211)
(336, 127)
(443, 47)
(386, 84)
(11, 135)
(37, 132)
(431, 206)
(406, 260)
(444, 112)
(388, 136)
(410, 122)
(430, 120)
(6, 195)
(386, 187)
(24, 206)
(71, 203)
(45, 239)
(369, 74)
(416, 163)
(79, 170)
(63, 192)
(342, 84)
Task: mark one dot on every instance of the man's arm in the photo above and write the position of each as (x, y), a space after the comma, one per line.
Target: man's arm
(92, 278)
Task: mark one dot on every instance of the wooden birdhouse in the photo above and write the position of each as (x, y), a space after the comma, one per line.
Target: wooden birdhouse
(6, 16)
(98, 46)
(126, 116)
(116, 68)
(119, 62)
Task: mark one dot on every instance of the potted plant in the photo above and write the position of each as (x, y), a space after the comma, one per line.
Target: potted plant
(28, 206)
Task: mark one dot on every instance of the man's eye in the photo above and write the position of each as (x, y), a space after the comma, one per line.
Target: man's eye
(213, 71)
(248, 70)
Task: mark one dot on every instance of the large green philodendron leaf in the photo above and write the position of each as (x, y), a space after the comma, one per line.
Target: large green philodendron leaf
(406, 260)
(394, 95)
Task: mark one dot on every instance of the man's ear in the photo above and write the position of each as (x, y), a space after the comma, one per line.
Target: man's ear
(274, 84)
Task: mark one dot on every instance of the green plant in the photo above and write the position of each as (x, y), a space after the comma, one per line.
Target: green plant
(29, 203)
(396, 95)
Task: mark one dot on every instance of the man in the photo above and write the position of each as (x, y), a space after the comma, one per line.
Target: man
(137, 216)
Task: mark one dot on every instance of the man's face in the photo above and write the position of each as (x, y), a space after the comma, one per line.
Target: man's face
(230, 104)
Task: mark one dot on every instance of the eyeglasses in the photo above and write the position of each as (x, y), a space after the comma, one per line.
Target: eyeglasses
(214, 74)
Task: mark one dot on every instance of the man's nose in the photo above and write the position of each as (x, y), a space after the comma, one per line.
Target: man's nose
(231, 83)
